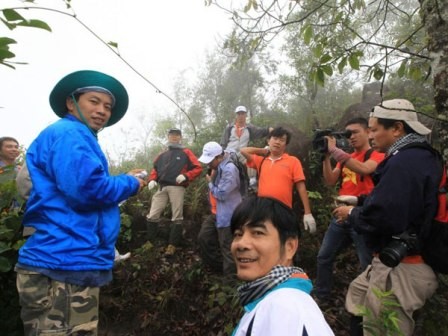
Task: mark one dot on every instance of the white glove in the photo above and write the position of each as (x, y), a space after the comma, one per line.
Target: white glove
(309, 223)
(347, 199)
(120, 257)
(268, 149)
(152, 184)
(181, 178)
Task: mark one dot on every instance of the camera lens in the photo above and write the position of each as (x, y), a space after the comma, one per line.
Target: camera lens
(393, 253)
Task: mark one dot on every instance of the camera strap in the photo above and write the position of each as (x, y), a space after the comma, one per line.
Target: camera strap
(261, 165)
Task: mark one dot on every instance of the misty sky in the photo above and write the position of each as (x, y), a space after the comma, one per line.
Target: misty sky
(158, 38)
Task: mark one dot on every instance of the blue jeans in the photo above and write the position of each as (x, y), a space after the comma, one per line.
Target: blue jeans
(335, 239)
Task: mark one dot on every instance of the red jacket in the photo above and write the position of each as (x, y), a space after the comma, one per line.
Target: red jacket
(173, 162)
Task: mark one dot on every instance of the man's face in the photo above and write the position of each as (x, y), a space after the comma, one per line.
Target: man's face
(9, 150)
(241, 117)
(257, 249)
(213, 164)
(96, 107)
(277, 145)
(359, 136)
(380, 137)
(174, 137)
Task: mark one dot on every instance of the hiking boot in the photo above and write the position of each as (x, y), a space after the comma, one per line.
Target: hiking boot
(175, 233)
(152, 229)
(170, 250)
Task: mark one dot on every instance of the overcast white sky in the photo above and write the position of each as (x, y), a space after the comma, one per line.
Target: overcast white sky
(159, 38)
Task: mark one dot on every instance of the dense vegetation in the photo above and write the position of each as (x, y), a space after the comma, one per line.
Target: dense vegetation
(152, 294)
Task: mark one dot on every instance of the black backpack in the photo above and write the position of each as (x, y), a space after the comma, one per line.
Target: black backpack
(434, 249)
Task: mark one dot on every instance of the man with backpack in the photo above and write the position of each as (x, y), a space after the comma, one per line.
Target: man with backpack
(224, 185)
(239, 134)
(395, 218)
(353, 172)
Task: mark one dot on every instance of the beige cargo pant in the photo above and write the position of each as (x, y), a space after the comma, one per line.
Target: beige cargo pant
(411, 285)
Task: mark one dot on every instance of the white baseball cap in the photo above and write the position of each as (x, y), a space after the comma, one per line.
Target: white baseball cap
(400, 109)
(211, 150)
(241, 108)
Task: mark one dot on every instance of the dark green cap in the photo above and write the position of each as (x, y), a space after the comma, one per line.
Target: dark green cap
(89, 78)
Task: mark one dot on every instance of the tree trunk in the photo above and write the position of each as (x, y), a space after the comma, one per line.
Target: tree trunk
(435, 18)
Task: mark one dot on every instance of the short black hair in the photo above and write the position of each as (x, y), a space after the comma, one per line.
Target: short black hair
(388, 123)
(359, 120)
(279, 131)
(6, 138)
(254, 210)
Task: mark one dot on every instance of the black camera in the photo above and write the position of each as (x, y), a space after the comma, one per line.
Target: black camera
(320, 143)
(398, 248)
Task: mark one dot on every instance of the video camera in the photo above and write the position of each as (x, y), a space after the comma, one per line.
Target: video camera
(320, 143)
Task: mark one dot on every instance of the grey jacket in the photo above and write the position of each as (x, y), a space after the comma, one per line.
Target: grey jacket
(251, 132)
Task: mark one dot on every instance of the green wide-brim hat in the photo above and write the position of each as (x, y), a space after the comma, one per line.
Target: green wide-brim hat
(84, 78)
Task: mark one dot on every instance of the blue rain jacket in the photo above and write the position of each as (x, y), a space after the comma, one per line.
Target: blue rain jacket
(73, 205)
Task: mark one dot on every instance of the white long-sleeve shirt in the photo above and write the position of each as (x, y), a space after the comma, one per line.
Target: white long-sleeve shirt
(284, 311)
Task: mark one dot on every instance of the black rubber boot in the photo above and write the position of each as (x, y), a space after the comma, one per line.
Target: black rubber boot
(152, 229)
(175, 234)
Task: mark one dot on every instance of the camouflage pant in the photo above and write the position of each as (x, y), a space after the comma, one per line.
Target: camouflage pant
(56, 308)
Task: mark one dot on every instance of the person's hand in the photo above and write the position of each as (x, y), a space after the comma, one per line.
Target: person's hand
(152, 184)
(268, 149)
(309, 223)
(180, 178)
(141, 175)
(336, 153)
(341, 213)
(331, 143)
(142, 183)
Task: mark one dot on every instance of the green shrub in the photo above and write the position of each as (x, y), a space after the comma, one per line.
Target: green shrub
(11, 240)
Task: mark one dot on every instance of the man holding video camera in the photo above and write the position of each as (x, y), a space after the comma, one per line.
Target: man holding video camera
(395, 218)
(353, 170)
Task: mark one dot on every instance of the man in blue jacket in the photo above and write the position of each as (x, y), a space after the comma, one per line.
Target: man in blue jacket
(73, 209)
(224, 185)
